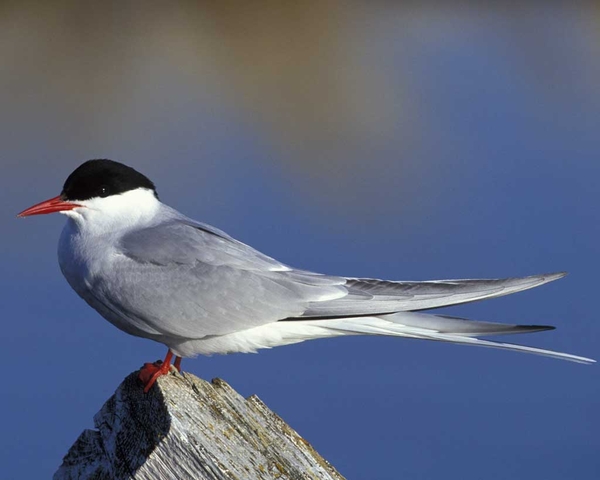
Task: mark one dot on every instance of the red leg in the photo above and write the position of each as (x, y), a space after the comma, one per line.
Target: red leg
(177, 363)
(151, 371)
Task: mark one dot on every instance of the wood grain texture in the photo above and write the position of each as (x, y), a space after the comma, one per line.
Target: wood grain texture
(187, 428)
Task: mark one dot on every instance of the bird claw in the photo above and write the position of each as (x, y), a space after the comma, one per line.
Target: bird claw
(148, 371)
(151, 371)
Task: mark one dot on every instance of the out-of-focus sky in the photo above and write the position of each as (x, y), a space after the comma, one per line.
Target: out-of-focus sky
(374, 139)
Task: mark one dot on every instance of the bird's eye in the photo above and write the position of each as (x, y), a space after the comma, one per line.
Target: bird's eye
(104, 191)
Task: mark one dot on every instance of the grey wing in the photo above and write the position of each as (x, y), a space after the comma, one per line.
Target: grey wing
(180, 240)
(374, 297)
(187, 280)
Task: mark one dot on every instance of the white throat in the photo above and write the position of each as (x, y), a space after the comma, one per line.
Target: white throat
(116, 212)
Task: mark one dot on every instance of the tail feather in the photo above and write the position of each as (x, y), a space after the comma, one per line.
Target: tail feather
(379, 307)
(402, 324)
(443, 329)
(478, 342)
(460, 326)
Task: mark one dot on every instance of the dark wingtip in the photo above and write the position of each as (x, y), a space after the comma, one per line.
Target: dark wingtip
(535, 328)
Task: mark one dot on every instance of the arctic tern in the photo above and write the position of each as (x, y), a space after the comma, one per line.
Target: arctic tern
(155, 273)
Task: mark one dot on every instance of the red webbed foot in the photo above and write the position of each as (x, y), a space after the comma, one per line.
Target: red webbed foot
(148, 370)
(151, 371)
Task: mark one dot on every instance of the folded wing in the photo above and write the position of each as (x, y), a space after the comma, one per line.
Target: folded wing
(370, 296)
(220, 286)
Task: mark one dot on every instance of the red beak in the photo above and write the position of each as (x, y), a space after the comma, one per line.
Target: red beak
(55, 204)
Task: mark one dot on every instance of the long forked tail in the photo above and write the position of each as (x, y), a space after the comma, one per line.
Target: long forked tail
(378, 307)
(442, 329)
(402, 324)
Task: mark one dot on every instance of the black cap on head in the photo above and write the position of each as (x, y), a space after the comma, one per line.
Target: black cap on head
(103, 178)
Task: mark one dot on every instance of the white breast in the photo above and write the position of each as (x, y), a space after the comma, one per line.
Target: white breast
(89, 244)
(76, 257)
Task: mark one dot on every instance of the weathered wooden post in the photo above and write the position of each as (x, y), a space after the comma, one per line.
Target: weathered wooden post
(187, 428)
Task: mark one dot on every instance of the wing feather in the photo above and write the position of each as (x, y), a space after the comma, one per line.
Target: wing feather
(183, 279)
(187, 280)
(373, 297)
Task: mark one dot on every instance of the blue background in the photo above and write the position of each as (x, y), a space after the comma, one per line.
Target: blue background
(396, 142)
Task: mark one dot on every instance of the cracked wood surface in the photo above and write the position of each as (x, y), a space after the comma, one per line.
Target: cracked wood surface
(187, 428)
